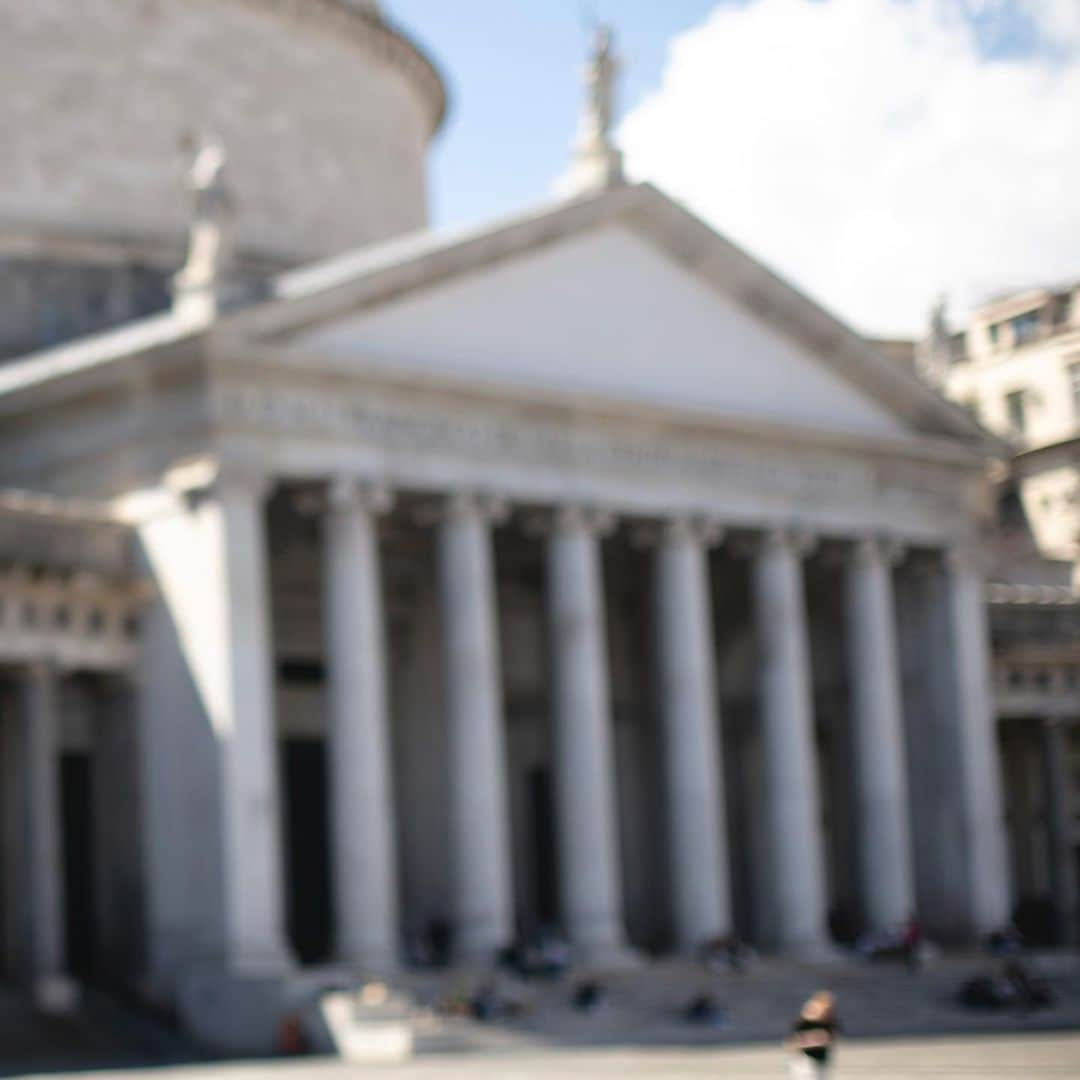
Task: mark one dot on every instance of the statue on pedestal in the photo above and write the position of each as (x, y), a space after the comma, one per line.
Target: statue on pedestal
(601, 76)
(597, 161)
(210, 236)
(934, 353)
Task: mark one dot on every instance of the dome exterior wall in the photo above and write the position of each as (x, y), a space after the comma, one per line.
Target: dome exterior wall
(325, 110)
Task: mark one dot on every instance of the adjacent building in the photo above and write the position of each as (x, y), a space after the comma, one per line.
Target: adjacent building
(1016, 368)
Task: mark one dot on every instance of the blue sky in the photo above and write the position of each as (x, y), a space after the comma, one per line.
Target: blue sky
(877, 153)
(514, 72)
(513, 67)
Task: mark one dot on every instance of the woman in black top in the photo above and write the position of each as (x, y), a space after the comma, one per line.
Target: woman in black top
(813, 1037)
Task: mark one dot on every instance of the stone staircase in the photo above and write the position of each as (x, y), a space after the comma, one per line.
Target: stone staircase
(646, 1007)
(639, 1008)
(100, 1034)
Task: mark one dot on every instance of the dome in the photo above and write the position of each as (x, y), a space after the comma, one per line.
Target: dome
(325, 109)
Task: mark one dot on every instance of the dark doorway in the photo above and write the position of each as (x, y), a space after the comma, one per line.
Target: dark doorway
(307, 841)
(542, 825)
(76, 807)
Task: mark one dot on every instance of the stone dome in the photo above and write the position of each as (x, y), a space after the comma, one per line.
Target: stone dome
(326, 111)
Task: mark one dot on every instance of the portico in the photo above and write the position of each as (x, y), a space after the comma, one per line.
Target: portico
(420, 586)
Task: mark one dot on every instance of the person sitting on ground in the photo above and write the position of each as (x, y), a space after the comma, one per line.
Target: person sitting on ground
(484, 1003)
(1032, 992)
(984, 991)
(588, 995)
(913, 943)
(813, 1037)
(1007, 941)
(704, 1009)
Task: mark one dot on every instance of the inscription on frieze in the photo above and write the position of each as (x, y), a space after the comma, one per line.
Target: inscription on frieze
(414, 429)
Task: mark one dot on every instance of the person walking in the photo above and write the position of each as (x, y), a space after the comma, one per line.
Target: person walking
(813, 1038)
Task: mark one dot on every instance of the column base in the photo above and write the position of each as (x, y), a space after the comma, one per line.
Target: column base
(56, 995)
(814, 953)
(370, 964)
(234, 1014)
(268, 964)
(613, 958)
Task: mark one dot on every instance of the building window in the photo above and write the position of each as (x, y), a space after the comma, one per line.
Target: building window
(1014, 407)
(1073, 371)
(1025, 327)
(995, 334)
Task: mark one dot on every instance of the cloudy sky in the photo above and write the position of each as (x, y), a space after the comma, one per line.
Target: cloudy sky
(875, 152)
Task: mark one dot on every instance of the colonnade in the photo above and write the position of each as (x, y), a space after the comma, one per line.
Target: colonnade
(37, 938)
(362, 804)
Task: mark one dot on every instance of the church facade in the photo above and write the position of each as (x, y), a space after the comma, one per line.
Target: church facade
(571, 572)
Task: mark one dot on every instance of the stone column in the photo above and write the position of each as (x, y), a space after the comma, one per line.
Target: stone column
(984, 824)
(793, 801)
(1059, 826)
(886, 871)
(589, 864)
(480, 809)
(238, 684)
(697, 836)
(361, 788)
(53, 989)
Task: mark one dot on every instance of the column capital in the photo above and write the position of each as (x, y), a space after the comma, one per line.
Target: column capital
(349, 492)
(873, 550)
(697, 528)
(799, 541)
(475, 504)
(461, 505)
(207, 478)
(42, 669)
(964, 555)
(572, 517)
(1057, 723)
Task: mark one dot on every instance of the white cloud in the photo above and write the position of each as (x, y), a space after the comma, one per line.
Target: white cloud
(867, 151)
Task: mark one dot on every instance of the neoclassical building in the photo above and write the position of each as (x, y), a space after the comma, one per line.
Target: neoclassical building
(572, 571)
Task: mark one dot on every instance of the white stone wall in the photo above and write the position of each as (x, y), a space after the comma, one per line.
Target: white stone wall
(326, 133)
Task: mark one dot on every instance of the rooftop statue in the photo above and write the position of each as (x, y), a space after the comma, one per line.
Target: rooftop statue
(601, 77)
(210, 233)
(934, 353)
(939, 322)
(597, 161)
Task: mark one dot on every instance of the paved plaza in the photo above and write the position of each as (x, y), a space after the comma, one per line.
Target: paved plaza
(988, 1058)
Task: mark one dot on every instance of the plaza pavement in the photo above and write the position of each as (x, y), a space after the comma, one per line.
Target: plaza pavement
(1031, 1057)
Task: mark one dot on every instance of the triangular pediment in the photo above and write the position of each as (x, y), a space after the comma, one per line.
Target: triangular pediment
(605, 314)
(622, 297)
